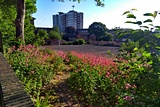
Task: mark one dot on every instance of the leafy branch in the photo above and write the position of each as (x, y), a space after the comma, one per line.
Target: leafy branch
(150, 26)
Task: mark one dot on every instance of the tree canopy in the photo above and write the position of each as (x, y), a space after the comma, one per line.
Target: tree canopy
(98, 28)
(55, 34)
(70, 29)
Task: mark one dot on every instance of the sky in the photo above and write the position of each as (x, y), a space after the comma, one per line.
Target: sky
(110, 14)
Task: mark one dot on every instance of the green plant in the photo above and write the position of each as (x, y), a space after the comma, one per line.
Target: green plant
(147, 37)
(79, 42)
(34, 68)
(55, 34)
(140, 64)
(40, 38)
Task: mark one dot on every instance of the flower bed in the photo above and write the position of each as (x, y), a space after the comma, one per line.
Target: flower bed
(97, 80)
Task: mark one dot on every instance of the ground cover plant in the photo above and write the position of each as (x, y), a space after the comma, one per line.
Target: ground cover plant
(130, 80)
(36, 67)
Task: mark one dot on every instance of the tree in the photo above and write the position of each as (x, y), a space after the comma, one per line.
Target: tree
(21, 9)
(29, 31)
(98, 28)
(7, 17)
(69, 32)
(40, 37)
(55, 34)
(21, 16)
(19, 22)
(107, 37)
(70, 29)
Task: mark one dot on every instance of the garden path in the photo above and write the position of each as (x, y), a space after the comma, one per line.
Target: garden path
(63, 95)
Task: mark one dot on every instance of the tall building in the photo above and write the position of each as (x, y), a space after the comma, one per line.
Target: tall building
(72, 18)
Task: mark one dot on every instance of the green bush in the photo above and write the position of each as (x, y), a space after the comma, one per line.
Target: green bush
(55, 35)
(79, 42)
(35, 68)
(40, 38)
(69, 43)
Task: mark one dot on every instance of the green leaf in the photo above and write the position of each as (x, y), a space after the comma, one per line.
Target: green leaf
(157, 27)
(148, 14)
(150, 24)
(126, 12)
(135, 49)
(131, 16)
(138, 22)
(145, 27)
(130, 22)
(134, 9)
(148, 20)
(155, 14)
(146, 54)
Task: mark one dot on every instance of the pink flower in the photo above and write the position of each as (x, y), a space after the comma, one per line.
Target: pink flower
(32, 72)
(128, 98)
(128, 86)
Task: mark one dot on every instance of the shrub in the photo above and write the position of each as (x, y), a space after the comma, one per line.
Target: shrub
(35, 67)
(69, 43)
(79, 42)
(40, 38)
(55, 35)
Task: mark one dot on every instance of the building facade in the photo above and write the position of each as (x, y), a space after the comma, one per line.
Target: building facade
(72, 18)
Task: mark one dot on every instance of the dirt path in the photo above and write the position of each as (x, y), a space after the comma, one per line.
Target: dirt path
(63, 95)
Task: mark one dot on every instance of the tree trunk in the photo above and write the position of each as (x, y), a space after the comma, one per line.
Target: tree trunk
(1, 43)
(20, 19)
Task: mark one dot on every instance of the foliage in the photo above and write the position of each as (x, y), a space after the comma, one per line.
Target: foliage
(7, 16)
(131, 80)
(129, 46)
(146, 37)
(29, 30)
(7, 19)
(35, 68)
(70, 29)
(30, 6)
(40, 37)
(6, 5)
(79, 42)
(55, 34)
(98, 28)
(141, 60)
(107, 37)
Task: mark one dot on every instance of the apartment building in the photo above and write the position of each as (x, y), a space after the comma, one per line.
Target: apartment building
(72, 18)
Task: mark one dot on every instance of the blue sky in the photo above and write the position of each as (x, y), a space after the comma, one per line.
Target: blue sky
(110, 15)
